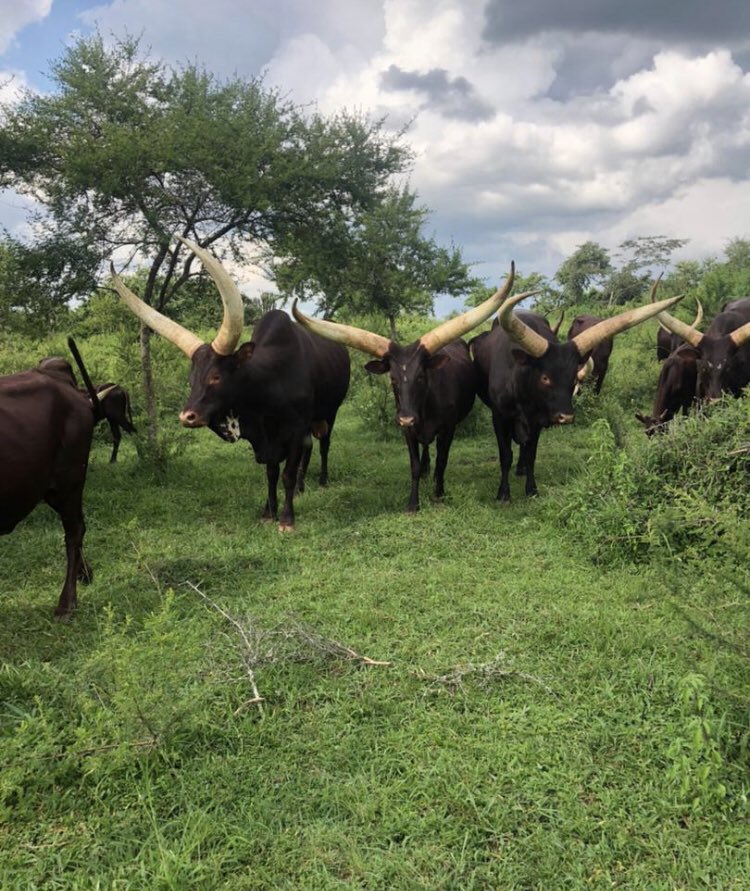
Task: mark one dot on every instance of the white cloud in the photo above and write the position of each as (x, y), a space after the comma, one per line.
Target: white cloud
(16, 14)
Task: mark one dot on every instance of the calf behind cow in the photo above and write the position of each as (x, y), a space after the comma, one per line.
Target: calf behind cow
(46, 425)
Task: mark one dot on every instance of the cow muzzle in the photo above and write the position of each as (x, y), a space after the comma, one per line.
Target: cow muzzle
(191, 419)
(560, 419)
(405, 420)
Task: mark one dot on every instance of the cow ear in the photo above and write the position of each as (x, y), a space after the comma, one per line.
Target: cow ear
(521, 357)
(245, 352)
(689, 353)
(437, 361)
(377, 366)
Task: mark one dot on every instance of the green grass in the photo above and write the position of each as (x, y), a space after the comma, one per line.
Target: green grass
(129, 757)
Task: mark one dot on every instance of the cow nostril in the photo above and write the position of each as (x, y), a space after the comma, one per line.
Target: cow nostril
(405, 421)
(189, 419)
(561, 418)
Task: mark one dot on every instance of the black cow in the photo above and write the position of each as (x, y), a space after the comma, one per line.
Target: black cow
(675, 390)
(276, 391)
(433, 381)
(46, 425)
(527, 378)
(601, 352)
(116, 408)
(722, 353)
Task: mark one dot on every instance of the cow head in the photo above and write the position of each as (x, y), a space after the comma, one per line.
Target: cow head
(721, 367)
(408, 366)
(214, 365)
(550, 370)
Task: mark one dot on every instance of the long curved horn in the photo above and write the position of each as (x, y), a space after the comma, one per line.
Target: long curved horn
(230, 332)
(740, 335)
(359, 338)
(556, 329)
(585, 370)
(525, 337)
(455, 328)
(687, 332)
(698, 318)
(152, 318)
(591, 337)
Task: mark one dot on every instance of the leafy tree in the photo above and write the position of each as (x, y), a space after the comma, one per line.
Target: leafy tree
(648, 251)
(623, 285)
(124, 154)
(588, 264)
(379, 263)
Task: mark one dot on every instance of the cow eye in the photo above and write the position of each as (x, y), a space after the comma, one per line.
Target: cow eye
(546, 380)
(214, 379)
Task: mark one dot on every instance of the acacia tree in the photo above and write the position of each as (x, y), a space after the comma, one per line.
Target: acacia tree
(379, 262)
(125, 154)
(588, 264)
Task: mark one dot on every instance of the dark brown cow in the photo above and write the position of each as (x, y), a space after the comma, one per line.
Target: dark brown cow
(675, 390)
(276, 391)
(45, 437)
(433, 381)
(527, 378)
(116, 408)
(722, 353)
(601, 352)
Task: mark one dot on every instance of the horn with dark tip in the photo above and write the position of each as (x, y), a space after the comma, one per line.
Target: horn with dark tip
(454, 328)
(593, 336)
(152, 318)
(524, 336)
(230, 332)
(358, 338)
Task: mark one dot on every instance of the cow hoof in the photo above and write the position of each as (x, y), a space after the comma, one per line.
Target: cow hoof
(503, 497)
(286, 527)
(86, 574)
(63, 615)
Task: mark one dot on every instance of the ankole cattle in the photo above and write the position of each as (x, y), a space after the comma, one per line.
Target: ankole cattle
(433, 381)
(278, 390)
(46, 425)
(527, 378)
(722, 353)
(675, 390)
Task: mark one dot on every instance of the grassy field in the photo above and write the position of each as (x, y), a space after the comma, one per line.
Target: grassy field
(543, 722)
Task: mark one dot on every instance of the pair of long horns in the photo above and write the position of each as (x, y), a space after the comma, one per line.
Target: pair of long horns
(378, 346)
(536, 345)
(698, 318)
(691, 335)
(230, 332)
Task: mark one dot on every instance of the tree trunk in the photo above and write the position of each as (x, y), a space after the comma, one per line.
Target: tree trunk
(392, 323)
(149, 391)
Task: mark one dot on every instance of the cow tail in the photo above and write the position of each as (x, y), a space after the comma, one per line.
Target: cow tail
(128, 413)
(96, 405)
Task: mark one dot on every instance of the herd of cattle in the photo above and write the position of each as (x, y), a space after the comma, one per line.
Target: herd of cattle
(285, 386)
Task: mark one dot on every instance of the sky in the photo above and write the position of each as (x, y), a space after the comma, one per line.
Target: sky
(536, 125)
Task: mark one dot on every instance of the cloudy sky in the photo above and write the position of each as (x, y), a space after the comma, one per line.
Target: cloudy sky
(537, 125)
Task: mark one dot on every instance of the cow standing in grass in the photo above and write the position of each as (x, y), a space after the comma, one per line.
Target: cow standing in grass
(722, 354)
(528, 378)
(277, 390)
(433, 381)
(46, 425)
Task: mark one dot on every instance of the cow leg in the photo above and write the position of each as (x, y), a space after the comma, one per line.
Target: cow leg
(415, 465)
(521, 462)
(424, 464)
(270, 512)
(116, 437)
(70, 512)
(289, 479)
(303, 464)
(444, 441)
(325, 444)
(503, 436)
(529, 451)
(598, 383)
